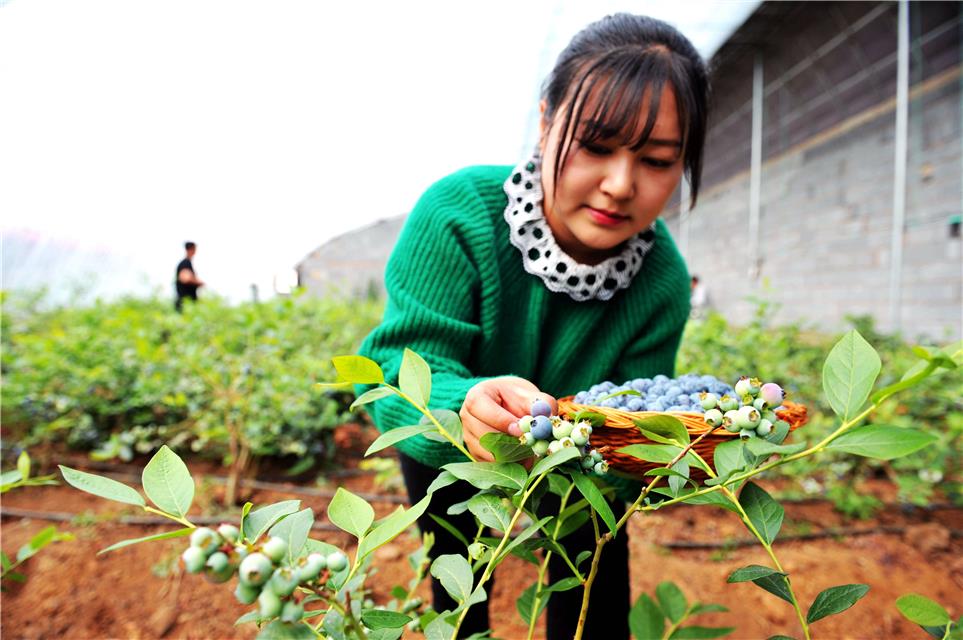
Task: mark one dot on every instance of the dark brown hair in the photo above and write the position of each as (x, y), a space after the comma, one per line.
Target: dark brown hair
(621, 59)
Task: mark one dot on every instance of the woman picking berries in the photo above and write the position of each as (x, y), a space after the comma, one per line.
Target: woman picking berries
(536, 281)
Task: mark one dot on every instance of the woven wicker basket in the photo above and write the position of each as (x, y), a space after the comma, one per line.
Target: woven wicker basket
(620, 430)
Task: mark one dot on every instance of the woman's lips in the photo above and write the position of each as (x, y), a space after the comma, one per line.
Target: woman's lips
(606, 218)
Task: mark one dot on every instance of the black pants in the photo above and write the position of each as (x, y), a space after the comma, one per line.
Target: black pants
(608, 613)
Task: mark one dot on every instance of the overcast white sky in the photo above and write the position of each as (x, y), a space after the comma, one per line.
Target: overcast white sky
(260, 130)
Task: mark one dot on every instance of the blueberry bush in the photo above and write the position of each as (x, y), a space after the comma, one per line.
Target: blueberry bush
(125, 377)
(295, 580)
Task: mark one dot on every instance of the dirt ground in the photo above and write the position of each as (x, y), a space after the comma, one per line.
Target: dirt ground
(138, 592)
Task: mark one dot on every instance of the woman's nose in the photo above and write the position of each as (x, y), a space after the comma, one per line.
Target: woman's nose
(619, 179)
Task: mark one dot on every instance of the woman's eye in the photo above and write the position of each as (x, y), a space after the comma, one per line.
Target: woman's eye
(658, 163)
(595, 149)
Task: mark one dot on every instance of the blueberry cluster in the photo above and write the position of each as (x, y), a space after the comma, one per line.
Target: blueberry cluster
(655, 394)
(262, 576)
(750, 413)
(546, 434)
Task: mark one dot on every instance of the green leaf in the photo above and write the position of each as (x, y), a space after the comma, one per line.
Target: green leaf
(179, 533)
(780, 637)
(449, 420)
(350, 513)
(294, 529)
(752, 572)
(455, 575)
(558, 484)
(386, 634)
(664, 471)
(439, 629)
(490, 511)
(370, 396)
(392, 526)
(277, 630)
(922, 610)
(671, 600)
(762, 447)
(678, 481)
(661, 454)
(527, 533)
(40, 540)
(665, 426)
(526, 602)
(168, 483)
(698, 608)
(593, 418)
(881, 442)
(590, 492)
(485, 475)
(357, 370)
(849, 373)
(259, 521)
(728, 458)
(582, 557)
(695, 632)
(765, 513)
(5, 561)
(646, 620)
(625, 392)
(715, 498)
(414, 378)
(775, 584)
(246, 509)
(505, 448)
(565, 584)
(835, 600)
(23, 465)
(102, 487)
(396, 435)
(442, 480)
(379, 619)
(553, 460)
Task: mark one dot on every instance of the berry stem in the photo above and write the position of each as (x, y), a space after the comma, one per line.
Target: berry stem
(444, 432)
(536, 601)
(183, 521)
(600, 542)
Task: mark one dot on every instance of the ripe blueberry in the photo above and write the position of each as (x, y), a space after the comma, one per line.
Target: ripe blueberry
(541, 408)
(542, 429)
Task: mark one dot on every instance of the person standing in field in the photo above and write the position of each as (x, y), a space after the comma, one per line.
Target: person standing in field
(541, 279)
(186, 282)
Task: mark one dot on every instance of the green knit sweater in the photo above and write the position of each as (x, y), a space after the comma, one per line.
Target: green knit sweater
(459, 296)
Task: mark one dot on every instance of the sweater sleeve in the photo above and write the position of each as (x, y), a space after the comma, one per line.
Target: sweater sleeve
(433, 286)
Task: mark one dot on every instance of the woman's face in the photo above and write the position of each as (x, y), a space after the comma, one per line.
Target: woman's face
(607, 192)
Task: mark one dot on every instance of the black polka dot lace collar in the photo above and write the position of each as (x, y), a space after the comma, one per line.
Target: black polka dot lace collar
(542, 256)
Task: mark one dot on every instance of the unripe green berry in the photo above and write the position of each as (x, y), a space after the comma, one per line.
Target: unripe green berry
(760, 404)
(221, 575)
(728, 403)
(747, 417)
(275, 548)
(194, 559)
(566, 442)
(729, 421)
(554, 446)
(588, 462)
(269, 604)
(742, 386)
(713, 417)
(709, 401)
(596, 455)
(527, 439)
(602, 468)
(283, 581)
(525, 424)
(218, 561)
(586, 426)
(747, 433)
(764, 428)
(770, 415)
(580, 436)
(540, 448)
(337, 561)
(311, 567)
(229, 532)
(755, 385)
(291, 612)
(563, 429)
(256, 569)
(245, 593)
(205, 539)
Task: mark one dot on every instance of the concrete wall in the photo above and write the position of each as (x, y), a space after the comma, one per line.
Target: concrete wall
(827, 203)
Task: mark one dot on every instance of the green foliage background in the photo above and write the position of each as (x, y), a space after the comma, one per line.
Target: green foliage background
(131, 375)
(792, 356)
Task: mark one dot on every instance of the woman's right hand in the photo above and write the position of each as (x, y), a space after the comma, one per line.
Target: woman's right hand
(495, 405)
